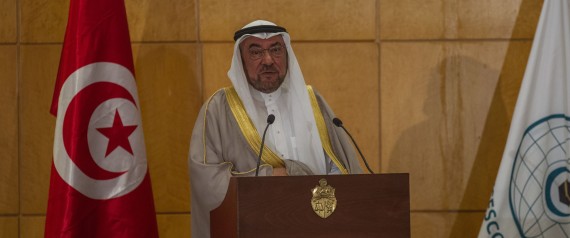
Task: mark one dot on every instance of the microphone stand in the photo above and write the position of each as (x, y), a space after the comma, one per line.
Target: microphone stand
(270, 120)
(337, 122)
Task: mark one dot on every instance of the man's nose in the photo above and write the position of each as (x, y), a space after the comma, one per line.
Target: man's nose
(266, 59)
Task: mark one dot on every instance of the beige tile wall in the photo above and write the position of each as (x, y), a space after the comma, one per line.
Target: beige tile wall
(9, 226)
(9, 191)
(170, 98)
(38, 67)
(42, 21)
(32, 226)
(458, 19)
(167, 20)
(348, 83)
(445, 224)
(446, 94)
(425, 87)
(315, 20)
(8, 13)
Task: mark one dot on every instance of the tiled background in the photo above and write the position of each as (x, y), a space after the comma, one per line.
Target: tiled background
(427, 87)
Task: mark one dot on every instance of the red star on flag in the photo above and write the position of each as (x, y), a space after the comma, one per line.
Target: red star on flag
(118, 135)
(96, 76)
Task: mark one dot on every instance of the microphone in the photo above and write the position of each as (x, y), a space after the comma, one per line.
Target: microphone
(337, 122)
(270, 120)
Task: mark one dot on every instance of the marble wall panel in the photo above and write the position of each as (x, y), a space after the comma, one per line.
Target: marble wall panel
(458, 19)
(445, 224)
(32, 226)
(43, 21)
(216, 61)
(445, 116)
(346, 74)
(8, 19)
(155, 20)
(170, 95)
(9, 177)
(8, 226)
(39, 64)
(304, 20)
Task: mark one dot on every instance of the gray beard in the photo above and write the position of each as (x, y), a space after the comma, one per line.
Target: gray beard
(266, 87)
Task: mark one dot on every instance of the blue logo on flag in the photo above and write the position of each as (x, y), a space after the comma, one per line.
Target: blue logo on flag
(539, 192)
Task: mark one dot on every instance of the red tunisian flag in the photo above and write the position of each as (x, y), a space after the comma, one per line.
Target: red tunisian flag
(100, 186)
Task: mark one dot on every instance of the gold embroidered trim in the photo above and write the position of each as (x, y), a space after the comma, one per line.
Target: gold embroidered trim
(204, 128)
(323, 132)
(249, 131)
(248, 172)
(230, 168)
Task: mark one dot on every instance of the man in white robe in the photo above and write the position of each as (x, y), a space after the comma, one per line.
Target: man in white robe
(267, 80)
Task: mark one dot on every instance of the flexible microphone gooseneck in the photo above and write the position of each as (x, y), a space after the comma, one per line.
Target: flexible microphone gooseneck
(270, 120)
(337, 122)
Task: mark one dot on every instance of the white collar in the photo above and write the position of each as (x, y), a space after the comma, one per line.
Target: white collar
(264, 97)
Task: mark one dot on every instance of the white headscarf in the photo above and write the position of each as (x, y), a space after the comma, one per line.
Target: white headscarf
(307, 140)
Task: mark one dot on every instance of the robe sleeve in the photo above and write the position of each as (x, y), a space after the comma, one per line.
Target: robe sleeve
(340, 142)
(210, 171)
(297, 168)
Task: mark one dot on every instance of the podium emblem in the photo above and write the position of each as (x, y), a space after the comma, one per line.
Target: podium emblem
(323, 201)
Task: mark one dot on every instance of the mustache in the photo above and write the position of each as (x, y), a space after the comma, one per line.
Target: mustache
(269, 69)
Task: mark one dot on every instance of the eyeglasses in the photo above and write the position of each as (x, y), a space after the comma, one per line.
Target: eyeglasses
(276, 51)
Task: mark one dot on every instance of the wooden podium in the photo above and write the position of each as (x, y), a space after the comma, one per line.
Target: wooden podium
(367, 206)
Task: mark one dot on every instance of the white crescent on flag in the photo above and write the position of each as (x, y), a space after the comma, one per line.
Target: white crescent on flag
(100, 183)
(102, 176)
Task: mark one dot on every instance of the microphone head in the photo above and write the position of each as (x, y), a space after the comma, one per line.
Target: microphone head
(270, 119)
(337, 122)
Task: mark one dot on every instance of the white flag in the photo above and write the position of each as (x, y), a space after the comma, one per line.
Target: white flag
(531, 197)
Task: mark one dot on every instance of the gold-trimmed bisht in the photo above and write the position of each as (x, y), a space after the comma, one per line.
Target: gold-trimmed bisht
(249, 131)
(323, 132)
(254, 140)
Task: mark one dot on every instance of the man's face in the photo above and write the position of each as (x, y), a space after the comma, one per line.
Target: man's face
(264, 62)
